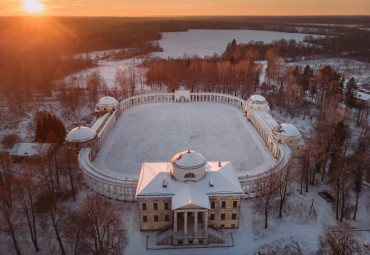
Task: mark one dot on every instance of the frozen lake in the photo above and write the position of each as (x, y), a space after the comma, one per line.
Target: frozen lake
(206, 42)
(155, 132)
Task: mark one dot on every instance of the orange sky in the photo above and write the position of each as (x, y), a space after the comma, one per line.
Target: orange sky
(189, 7)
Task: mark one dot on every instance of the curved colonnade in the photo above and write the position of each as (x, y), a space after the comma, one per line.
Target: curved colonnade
(124, 189)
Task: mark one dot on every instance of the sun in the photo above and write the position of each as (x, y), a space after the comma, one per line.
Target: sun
(33, 6)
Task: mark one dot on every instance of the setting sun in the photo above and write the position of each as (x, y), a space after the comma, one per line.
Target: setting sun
(32, 6)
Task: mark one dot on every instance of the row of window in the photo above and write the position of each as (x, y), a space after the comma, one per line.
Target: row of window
(167, 217)
(223, 204)
(166, 205)
(212, 216)
(156, 218)
(155, 206)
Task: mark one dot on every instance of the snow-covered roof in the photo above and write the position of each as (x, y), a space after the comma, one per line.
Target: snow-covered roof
(265, 119)
(99, 122)
(30, 149)
(188, 160)
(287, 131)
(258, 99)
(107, 101)
(218, 181)
(80, 134)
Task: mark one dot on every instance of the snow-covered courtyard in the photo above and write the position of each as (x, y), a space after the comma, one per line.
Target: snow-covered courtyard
(155, 132)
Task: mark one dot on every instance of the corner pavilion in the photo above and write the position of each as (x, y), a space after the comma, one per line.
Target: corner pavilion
(189, 200)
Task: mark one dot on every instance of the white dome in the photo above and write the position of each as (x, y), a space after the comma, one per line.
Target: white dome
(257, 102)
(188, 166)
(258, 99)
(80, 134)
(287, 131)
(107, 102)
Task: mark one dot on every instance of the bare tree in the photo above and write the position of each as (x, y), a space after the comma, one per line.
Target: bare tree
(104, 228)
(267, 188)
(25, 191)
(9, 212)
(284, 179)
(121, 81)
(341, 240)
(360, 162)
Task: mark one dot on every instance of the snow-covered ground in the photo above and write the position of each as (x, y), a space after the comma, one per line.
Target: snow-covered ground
(297, 232)
(206, 42)
(155, 132)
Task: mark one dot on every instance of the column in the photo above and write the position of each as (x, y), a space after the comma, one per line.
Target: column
(185, 223)
(195, 222)
(205, 221)
(175, 222)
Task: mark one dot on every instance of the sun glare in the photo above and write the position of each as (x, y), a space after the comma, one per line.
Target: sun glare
(33, 6)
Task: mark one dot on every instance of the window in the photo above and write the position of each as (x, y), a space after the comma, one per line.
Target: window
(201, 241)
(167, 218)
(156, 218)
(166, 206)
(189, 175)
(235, 204)
(145, 218)
(213, 205)
(222, 225)
(223, 204)
(143, 206)
(212, 216)
(222, 216)
(233, 216)
(155, 206)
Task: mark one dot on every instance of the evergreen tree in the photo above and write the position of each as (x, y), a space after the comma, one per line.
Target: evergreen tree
(350, 94)
(307, 78)
(49, 128)
(339, 137)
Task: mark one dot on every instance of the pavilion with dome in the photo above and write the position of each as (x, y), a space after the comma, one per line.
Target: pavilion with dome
(188, 199)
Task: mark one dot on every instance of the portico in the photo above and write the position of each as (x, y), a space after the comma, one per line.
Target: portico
(190, 226)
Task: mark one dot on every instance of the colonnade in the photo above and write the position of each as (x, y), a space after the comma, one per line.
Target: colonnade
(125, 189)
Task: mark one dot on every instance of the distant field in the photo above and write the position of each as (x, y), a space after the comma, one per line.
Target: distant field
(155, 132)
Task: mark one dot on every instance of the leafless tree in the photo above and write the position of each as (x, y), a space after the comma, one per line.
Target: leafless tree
(9, 212)
(104, 228)
(284, 179)
(25, 193)
(341, 240)
(267, 188)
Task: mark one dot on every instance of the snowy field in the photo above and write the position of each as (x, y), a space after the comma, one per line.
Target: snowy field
(155, 132)
(206, 42)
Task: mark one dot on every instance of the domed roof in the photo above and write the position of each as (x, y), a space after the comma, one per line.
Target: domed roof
(80, 134)
(258, 99)
(287, 131)
(107, 101)
(188, 160)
